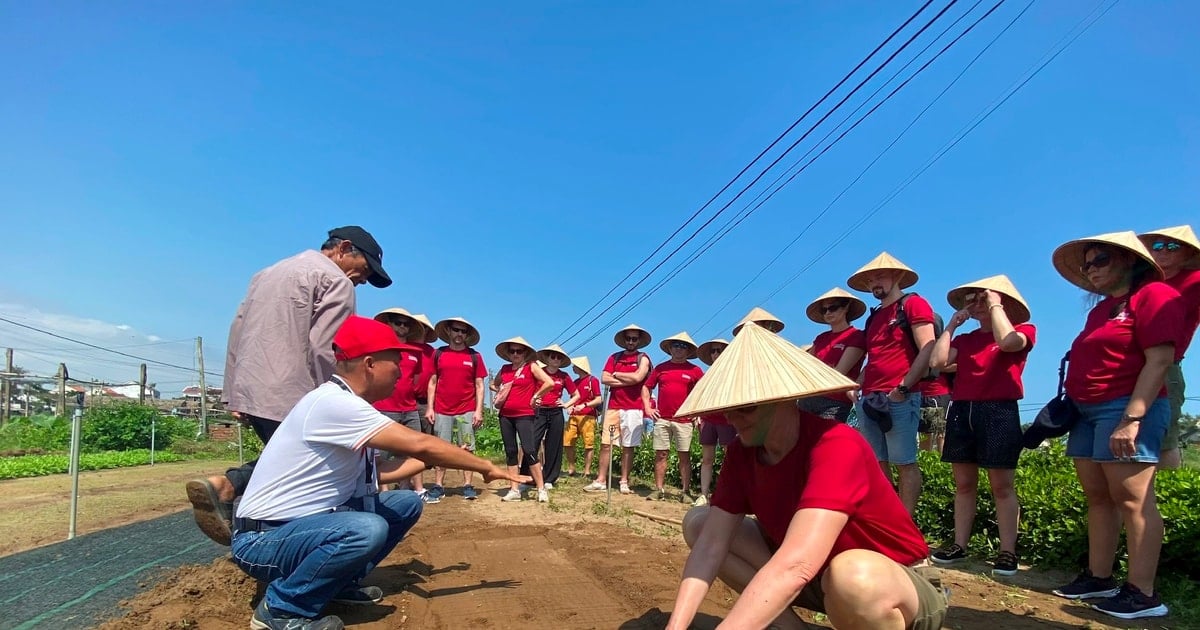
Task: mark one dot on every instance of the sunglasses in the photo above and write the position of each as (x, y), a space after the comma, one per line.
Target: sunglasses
(831, 308)
(516, 350)
(976, 297)
(1165, 246)
(679, 345)
(458, 329)
(1100, 261)
(633, 338)
(400, 321)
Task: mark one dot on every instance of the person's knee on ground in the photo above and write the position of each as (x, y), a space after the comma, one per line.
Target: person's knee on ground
(865, 589)
(693, 524)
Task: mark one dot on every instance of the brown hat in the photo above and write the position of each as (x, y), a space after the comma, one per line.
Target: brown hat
(582, 364)
(884, 260)
(761, 317)
(665, 344)
(646, 339)
(705, 352)
(1014, 305)
(1068, 258)
(554, 349)
(757, 368)
(1181, 233)
(502, 349)
(443, 330)
(430, 335)
(854, 310)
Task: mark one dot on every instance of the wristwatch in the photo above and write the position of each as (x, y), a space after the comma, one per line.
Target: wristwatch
(902, 388)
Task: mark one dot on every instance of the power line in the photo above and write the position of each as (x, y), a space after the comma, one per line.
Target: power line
(92, 345)
(731, 182)
(749, 209)
(874, 161)
(963, 133)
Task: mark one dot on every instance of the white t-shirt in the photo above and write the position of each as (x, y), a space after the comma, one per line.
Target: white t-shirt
(317, 459)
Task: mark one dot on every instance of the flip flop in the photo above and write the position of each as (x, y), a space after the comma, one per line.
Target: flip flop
(209, 512)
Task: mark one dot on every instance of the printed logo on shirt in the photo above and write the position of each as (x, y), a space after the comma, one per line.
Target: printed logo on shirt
(687, 377)
(839, 346)
(467, 363)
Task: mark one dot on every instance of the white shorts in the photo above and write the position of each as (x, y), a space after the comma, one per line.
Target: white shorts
(632, 426)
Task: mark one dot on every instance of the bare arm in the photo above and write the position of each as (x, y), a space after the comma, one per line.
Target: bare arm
(702, 564)
(429, 413)
(610, 379)
(545, 383)
(850, 358)
(923, 334)
(1145, 391)
(647, 408)
(942, 354)
(429, 449)
(394, 471)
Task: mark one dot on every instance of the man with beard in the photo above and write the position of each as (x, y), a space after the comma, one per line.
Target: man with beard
(900, 336)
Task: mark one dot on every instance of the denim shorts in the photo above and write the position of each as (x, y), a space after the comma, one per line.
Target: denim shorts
(1089, 439)
(898, 446)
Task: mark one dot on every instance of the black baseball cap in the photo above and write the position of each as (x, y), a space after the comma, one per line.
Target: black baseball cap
(370, 249)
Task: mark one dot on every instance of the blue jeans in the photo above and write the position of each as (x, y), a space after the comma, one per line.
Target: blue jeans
(1089, 438)
(311, 559)
(898, 446)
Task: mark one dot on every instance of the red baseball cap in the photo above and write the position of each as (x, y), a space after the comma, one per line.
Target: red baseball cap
(360, 336)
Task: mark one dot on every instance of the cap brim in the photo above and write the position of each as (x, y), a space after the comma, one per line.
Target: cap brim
(378, 278)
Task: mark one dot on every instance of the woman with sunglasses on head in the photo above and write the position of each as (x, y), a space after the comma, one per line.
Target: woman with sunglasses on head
(984, 425)
(842, 347)
(1177, 252)
(518, 384)
(1116, 377)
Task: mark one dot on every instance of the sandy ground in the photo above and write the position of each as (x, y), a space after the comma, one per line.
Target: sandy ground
(574, 563)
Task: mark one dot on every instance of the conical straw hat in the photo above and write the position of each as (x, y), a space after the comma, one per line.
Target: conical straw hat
(761, 367)
(415, 333)
(1181, 233)
(705, 352)
(856, 309)
(583, 364)
(429, 336)
(1068, 258)
(1014, 305)
(634, 327)
(443, 330)
(761, 317)
(806, 347)
(665, 344)
(502, 349)
(554, 348)
(858, 281)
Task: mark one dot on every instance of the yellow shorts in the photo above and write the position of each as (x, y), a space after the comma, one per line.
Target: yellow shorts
(578, 426)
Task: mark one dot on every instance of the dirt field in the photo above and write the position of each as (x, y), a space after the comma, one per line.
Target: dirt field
(570, 564)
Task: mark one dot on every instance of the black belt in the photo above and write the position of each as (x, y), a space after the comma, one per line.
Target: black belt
(255, 525)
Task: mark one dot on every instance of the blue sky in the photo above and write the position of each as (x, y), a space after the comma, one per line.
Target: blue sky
(517, 160)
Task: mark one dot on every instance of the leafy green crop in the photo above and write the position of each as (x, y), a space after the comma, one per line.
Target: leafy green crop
(38, 465)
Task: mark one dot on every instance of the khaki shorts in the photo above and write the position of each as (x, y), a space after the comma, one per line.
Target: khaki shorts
(577, 426)
(668, 432)
(931, 599)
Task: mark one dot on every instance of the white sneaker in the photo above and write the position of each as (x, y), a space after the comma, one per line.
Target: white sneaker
(511, 495)
(549, 486)
(625, 488)
(595, 486)
(700, 501)
(543, 496)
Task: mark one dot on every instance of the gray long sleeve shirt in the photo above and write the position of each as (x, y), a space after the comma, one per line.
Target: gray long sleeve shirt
(281, 341)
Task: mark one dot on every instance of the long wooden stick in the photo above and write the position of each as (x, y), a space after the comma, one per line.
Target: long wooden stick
(659, 518)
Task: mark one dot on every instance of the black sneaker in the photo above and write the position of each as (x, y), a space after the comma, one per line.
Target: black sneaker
(1005, 564)
(356, 595)
(949, 555)
(1132, 603)
(1088, 586)
(265, 619)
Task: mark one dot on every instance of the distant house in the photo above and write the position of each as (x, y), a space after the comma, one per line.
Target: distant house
(192, 393)
(130, 390)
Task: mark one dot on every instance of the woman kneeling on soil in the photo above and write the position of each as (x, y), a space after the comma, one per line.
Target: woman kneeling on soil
(984, 426)
(517, 385)
(1116, 374)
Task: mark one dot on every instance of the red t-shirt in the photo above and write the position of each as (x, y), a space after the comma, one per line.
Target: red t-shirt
(588, 388)
(987, 373)
(936, 386)
(831, 468)
(674, 382)
(403, 397)
(520, 398)
(562, 380)
(630, 396)
(1109, 353)
(890, 351)
(455, 392)
(829, 347)
(1187, 283)
(715, 419)
(426, 371)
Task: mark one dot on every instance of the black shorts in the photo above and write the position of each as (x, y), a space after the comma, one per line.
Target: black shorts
(986, 433)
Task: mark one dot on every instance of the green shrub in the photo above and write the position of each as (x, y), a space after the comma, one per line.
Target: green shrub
(36, 434)
(124, 426)
(38, 465)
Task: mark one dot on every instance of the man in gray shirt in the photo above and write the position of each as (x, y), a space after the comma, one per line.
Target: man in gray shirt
(281, 347)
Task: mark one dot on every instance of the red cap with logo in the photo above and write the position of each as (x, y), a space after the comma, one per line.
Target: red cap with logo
(360, 336)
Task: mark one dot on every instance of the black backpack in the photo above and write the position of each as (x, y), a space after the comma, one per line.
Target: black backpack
(902, 322)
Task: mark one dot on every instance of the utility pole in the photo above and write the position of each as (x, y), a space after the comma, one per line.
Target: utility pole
(6, 410)
(60, 406)
(203, 387)
(142, 383)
